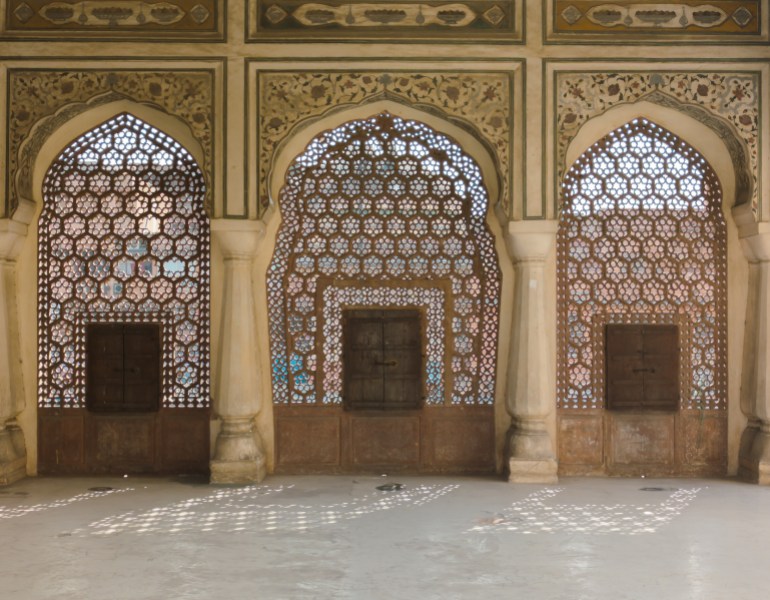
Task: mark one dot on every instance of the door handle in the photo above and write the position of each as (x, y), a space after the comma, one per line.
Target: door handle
(643, 370)
(386, 363)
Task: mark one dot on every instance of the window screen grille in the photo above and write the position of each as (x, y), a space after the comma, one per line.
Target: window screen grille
(124, 238)
(391, 214)
(641, 240)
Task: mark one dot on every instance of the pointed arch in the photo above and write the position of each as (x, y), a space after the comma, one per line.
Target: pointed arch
(714, 137)
(52, 135)
(123, 238)
(642, 238)
(463, 133)
(428, 237)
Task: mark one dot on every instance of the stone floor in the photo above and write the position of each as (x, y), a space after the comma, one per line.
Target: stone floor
(342, 538)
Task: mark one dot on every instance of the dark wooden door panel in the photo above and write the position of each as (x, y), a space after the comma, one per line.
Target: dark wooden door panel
(382, 359)
(123, 367)
(642, 367)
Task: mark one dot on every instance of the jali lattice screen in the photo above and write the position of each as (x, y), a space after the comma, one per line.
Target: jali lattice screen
(124, 238)
(376, 213)
(642, 239)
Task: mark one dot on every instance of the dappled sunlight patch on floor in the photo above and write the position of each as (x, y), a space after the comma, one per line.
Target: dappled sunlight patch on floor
(245, 509)
(533, 514)
(7, 512)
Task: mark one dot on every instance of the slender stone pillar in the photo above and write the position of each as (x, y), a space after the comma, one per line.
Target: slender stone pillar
(13, 455)
(238, 456)
(530, 393)
(754, 453)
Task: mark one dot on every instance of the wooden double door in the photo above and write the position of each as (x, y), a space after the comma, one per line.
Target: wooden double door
(124, 427)
(382, 359)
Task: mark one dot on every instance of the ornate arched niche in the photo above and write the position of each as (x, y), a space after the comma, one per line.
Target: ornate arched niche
(642, 309)
(123, 314)
(383, 245)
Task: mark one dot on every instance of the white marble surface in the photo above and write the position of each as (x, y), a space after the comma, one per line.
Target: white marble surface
(340, 538)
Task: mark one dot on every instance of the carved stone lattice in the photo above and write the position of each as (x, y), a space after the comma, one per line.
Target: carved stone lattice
(642, 239)
(396, 212)
(124, 238)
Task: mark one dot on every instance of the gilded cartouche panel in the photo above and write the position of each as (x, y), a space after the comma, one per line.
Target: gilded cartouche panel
(452, 21)
(655, 22)
(94, 19)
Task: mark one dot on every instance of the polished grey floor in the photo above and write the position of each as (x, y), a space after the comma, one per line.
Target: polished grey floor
(340, 537)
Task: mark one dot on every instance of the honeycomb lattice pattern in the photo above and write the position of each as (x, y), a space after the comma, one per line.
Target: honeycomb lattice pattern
(642, 240)
(124, 238)
(398, 211)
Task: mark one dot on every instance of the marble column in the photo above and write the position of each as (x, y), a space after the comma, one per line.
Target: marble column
(13, 455)
(238, 456)
(754, 452)
(530, 391)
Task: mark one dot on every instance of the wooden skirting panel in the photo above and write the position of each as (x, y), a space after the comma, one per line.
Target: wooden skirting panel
(655, 444)
(328, 439)
(76, 441)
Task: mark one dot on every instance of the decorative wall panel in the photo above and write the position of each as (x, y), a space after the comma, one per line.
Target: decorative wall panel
(734, 98)
(479, 100)
(399, 21)
(656, 22)
(58, 95)
(188, 20)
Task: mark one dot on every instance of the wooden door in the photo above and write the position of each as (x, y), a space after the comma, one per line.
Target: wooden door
(382, 359)
(642, 367)
(123, 367)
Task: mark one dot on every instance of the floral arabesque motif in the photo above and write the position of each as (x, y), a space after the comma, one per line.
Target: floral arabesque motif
(34, 95)
(731, 96)
(481, 99)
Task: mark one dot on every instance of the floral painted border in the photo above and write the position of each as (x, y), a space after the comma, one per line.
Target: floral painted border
(479, 101)
(35, 95)
(734, 97)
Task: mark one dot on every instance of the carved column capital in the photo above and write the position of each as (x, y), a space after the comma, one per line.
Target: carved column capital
(530, 241)
(238, 239)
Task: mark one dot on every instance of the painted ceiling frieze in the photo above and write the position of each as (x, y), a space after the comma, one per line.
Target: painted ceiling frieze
(122, 18)
(656, 21)
(44, 100)
(480, 101)
(294, 20)
(733, 98)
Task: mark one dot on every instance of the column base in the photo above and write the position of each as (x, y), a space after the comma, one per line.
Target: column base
(754, 457)
(240, 472)
(532, 471)
(528, 453)
(238, 457)
(13, 464)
